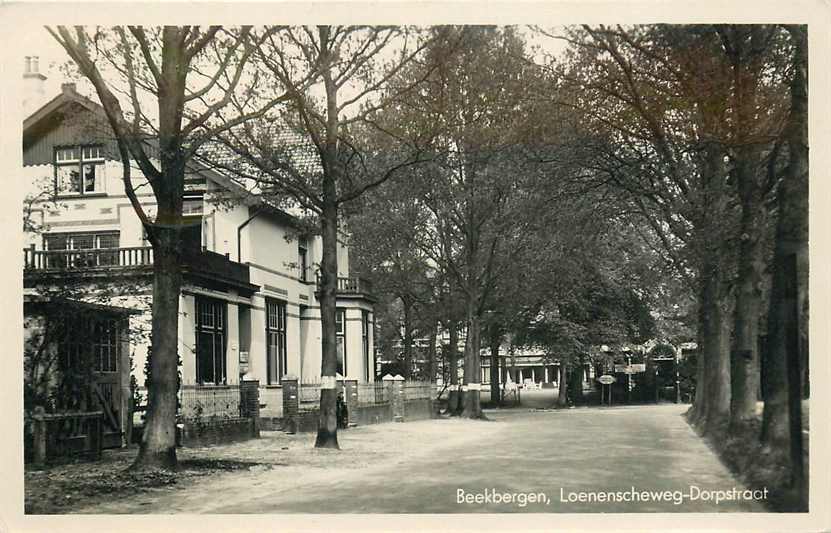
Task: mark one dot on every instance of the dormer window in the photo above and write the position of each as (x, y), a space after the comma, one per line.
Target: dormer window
(79, 170)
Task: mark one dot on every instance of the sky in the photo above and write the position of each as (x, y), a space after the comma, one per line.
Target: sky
(52, 56)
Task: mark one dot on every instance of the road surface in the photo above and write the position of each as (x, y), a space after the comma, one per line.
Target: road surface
(584, 460)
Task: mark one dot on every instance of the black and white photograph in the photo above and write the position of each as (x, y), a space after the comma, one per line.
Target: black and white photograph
(408, 268)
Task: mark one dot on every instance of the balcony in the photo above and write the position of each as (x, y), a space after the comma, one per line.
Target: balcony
(105, 259)
(354, 286)
(204, 267)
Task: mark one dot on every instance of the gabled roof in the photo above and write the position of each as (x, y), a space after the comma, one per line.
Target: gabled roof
(67, 96)
(238, 187)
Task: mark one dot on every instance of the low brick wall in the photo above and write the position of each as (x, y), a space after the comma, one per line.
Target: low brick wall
(363, 416)
(271, 423)
(371, 414)
(216, 431)
(418, 410)
(307, 420)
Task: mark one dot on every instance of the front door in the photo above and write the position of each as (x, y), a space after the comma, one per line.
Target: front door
(107, 349)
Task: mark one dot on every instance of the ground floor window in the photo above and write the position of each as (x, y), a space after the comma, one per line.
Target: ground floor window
(210, 341)
(365, 339)
(340, 330)
(275, 332)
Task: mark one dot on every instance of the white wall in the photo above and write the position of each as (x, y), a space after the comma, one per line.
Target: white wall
(112, 211)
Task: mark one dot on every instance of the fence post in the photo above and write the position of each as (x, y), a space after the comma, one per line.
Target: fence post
(388, 381)
(291, 403)
(398, 398)
(350, 396)
(250, 402)
(39, 439)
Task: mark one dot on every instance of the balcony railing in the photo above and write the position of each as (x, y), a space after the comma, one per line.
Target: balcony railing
(351, 285)
(202, 263)
(86, 259)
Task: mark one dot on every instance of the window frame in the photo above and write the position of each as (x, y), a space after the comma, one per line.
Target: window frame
(71, 245)
(106, 337)
(218, 330)
(276, 362)
(303, 260)
(365, 340)
(340, 335)
(79, 161)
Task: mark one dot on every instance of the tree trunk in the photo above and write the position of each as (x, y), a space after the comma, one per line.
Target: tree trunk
(471, 398)
(715, 349)
(408, 338)
(158, 442)
(454, 406)
(562, 396)
(712, 406)
(496, 397)
(744, 357)
(327, 427)
(698, 410)
(431, 355)
(327, 424)
(791, 241)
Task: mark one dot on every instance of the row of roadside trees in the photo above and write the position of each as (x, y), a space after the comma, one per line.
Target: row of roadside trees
(562, 200)
(582, 197)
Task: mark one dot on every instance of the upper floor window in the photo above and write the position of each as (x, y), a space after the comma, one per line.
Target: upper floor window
(302, 254)
(81, 249)
(79, 170)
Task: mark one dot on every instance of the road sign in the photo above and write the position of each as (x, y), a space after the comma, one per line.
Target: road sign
(606, 379)
(630, 369)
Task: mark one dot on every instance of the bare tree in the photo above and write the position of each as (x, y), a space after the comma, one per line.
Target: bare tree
(178, 84)
(338, 146)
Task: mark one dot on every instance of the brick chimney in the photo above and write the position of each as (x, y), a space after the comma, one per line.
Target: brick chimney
(33, 85)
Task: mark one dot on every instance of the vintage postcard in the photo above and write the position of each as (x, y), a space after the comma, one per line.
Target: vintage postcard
(458, 266)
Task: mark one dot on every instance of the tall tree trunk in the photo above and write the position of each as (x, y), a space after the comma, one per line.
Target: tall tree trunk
(430, 369)
(327, 436)
(791, 241)
(712, 406)
(471, 398)
(698, 410)
(453, 398)
(562, 396)
(158, 442)
(496, 397)
(408, 337)
(746, 59)
(327, 425)
(714, 349)
(744, 357)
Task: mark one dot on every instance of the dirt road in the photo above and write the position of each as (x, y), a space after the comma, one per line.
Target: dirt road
(624, 459)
